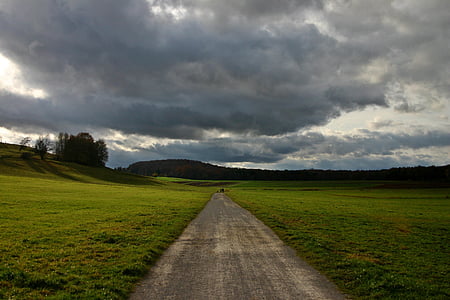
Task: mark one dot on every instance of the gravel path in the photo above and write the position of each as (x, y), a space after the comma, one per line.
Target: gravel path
(226, 253)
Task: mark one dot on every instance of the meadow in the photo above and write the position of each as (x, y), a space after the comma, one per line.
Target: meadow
(74, 232)
(375, 240)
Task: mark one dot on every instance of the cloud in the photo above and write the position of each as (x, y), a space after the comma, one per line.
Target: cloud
(227, 13)
(306, 148)
(146, 70)
(377, 123)
(257, 71)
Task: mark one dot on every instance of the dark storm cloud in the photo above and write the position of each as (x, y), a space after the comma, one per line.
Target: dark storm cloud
(153, 75)
(92, 112)
(413, 36)
(258, 70)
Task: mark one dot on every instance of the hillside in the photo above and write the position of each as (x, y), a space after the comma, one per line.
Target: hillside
(198, 170)
(69, 231)
(12, 163)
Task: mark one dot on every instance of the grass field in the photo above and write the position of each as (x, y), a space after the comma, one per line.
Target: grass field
(73, 232)
(374, 240)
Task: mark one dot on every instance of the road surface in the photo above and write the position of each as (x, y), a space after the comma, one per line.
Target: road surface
(226, 253)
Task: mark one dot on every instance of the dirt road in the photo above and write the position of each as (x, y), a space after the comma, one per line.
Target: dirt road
(226, 253)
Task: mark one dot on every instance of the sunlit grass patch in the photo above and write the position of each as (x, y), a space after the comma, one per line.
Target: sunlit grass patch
(373, 242)
(85, 240)
(73, 232)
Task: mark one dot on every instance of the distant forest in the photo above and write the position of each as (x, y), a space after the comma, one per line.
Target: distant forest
(190, 169)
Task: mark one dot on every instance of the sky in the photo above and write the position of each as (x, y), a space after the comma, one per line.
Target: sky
(288, 84)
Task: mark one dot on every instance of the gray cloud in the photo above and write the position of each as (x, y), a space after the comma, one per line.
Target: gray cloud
(145, 70)
(412, 35)
(232, 11)
(256, 69)
(372, 146)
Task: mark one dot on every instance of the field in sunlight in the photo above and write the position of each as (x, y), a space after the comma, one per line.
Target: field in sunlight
(376, 240)
(68, 231)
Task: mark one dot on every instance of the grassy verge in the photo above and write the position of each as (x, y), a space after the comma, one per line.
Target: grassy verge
(374, 241)
(72, 232)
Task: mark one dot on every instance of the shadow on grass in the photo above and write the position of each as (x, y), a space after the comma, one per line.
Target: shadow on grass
(112, 176)
(6, 160)
(48, 167)
(34, 166)
(51, 168)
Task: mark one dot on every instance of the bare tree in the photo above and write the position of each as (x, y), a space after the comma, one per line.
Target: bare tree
(24, 143)
(60, 145)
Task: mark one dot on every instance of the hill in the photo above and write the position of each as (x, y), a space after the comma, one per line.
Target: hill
(190, 169)
(13, 162)
(70, 231)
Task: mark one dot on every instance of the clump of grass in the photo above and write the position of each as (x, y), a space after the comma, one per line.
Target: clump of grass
(374, 243)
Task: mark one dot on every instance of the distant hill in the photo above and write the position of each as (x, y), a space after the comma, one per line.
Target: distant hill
(181, 168)
(190, 169)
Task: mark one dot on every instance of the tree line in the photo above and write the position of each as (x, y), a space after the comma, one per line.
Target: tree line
(203, 171)
(80, 148)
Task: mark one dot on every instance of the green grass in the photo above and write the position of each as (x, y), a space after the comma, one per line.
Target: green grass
(74, 232)
(373, 241)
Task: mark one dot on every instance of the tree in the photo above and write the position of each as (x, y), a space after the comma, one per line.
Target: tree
(42, 146)
(82, 149)
(102, 153)
(60, 145)
(24, 143)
